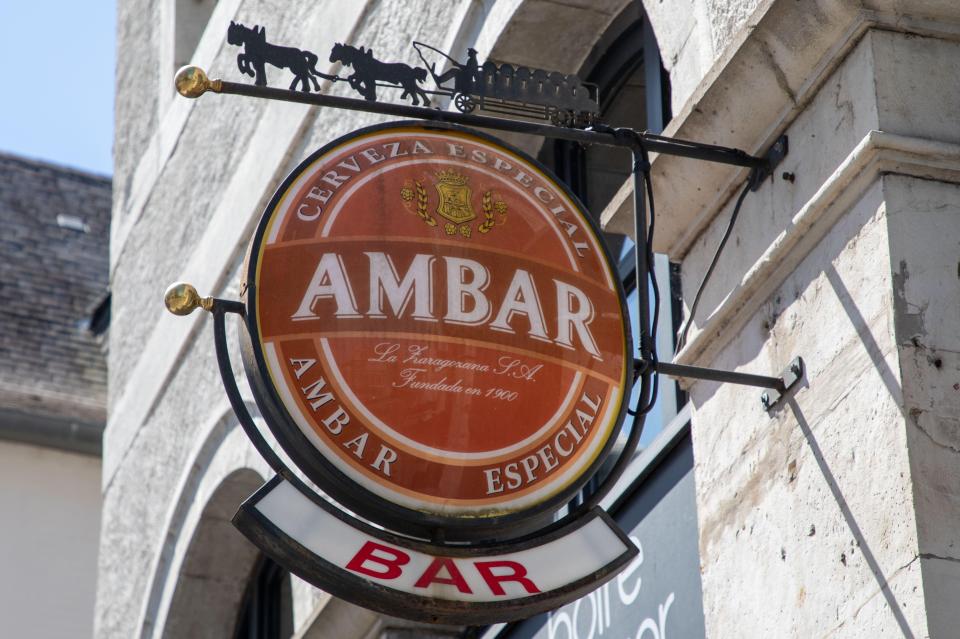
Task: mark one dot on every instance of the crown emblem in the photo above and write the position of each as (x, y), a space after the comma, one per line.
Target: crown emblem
(452, 178)
(455, 204)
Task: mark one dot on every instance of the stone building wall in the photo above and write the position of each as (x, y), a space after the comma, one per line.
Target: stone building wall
(831, 515)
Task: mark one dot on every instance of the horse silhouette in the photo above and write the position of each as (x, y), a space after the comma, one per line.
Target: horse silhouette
(257, 52)
(367, 70)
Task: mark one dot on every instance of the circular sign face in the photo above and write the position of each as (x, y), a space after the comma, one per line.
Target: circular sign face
(436, 335)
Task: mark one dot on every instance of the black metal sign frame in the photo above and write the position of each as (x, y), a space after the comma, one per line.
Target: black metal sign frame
(314, 568)
(324, 473)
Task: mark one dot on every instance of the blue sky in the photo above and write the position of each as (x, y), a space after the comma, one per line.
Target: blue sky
(56, 103)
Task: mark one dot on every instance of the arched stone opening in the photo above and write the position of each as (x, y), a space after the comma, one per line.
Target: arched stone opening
(546, 35)
(568, 37)
(691, 34)
(216, 568)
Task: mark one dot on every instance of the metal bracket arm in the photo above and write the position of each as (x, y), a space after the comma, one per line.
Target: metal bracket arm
(192, 82)
(182, 299)
(779, 386)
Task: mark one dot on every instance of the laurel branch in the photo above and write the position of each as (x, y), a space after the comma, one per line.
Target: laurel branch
(487, 223)
(422, 205)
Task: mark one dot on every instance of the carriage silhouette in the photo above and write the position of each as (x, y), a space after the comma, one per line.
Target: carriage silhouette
(513, 90)
(496, 88)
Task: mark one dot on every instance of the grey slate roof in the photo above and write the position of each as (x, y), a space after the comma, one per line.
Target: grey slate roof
(53, 375)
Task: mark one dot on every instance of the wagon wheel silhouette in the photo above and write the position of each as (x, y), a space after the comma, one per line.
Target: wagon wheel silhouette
(464, 103)
(562, 117)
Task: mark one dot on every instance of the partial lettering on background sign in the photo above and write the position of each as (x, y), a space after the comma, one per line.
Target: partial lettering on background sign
(603, 609)
(658, 595)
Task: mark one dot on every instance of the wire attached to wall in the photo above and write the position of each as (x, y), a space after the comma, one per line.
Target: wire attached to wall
(682, 339)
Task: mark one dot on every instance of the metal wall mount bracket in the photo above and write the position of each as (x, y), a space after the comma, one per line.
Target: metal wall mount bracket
(773, 157)
(778, 387)
(791, 377)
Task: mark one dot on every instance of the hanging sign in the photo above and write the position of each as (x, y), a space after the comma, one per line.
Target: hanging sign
(437, 339)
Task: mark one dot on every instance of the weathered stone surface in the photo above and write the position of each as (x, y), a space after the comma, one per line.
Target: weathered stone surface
(728, 20)
(684, 35)
(815, 495)
(180, 204)
(135, 106)
(856, 477)
(924, 242)
(822, 137)
(918, 93)
(554, 35)
(246, 191)
(762, 80)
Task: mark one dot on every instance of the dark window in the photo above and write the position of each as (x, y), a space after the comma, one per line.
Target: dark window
(633, 92)
(267, 611)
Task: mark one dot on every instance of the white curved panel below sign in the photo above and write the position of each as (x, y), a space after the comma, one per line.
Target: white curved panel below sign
(469, 584)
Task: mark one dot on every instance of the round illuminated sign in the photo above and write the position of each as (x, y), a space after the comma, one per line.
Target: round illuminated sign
(436, 335)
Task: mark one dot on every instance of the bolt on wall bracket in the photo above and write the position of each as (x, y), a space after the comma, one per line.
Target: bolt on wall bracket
(791, 376)
(772, 159)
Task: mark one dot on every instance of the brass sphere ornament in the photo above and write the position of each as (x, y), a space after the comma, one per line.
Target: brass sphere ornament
(182, 298)
(192, 82)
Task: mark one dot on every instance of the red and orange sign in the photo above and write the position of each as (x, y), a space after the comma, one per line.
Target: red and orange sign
(438, 319)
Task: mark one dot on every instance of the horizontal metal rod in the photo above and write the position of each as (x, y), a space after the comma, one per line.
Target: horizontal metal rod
(653, 143)
(712, 374)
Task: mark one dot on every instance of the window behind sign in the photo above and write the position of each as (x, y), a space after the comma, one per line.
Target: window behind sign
(180, 27)
(267, 611)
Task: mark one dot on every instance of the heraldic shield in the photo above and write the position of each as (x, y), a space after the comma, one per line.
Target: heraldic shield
(454, 197)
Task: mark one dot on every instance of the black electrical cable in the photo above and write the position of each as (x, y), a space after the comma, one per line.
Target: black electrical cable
(648, 376)
(713, 263)
(642, 165)
(654, 323)
(656, 298)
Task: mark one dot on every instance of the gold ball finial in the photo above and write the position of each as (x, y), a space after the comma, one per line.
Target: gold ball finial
(192, 82)
(182, 298)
